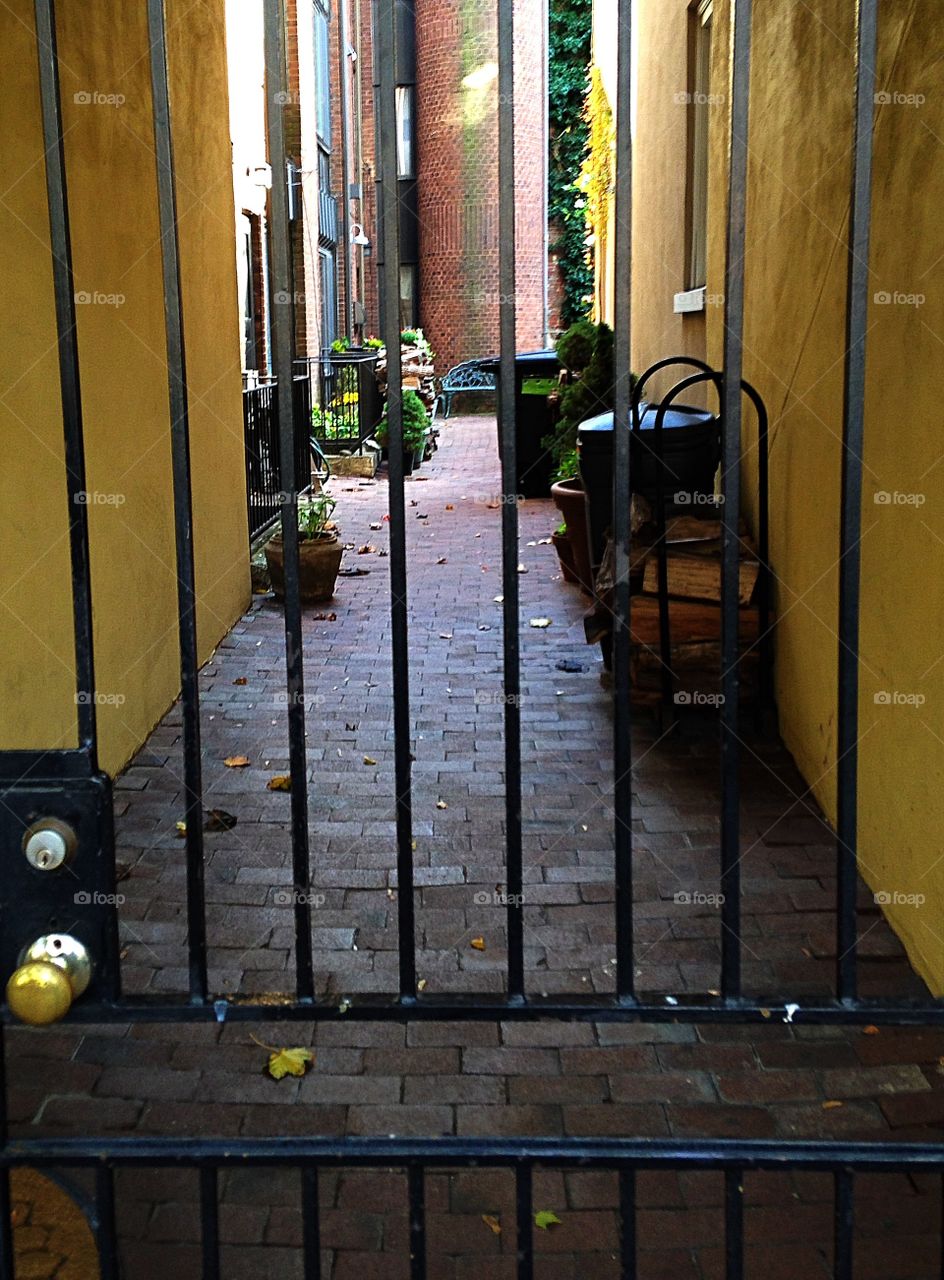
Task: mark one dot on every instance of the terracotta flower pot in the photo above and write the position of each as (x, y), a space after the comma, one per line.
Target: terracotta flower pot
(319, 561)
(571, 502)
(565, 554)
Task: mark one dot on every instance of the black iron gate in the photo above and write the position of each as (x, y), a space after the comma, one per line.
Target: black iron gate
(58, 803)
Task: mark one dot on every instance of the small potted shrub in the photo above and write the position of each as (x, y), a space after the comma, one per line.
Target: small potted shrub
(565, 552)
(319, 552)
(568, 495)
(586, 351)
(415, 431)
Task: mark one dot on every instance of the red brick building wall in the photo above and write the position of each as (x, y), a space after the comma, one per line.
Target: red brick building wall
(457, 149)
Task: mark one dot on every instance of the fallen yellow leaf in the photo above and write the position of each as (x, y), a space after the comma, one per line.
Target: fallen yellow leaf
(289, 1062)
(236, 762)
(281, 782)
(478, 944)
(181, 828)
(544, 1218)
(369, 760)
(492, 1223)
(870, 1030)
(285, 1062)
(831, 1105)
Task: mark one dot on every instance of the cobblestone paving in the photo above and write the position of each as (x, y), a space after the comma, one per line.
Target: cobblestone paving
(481, 1079)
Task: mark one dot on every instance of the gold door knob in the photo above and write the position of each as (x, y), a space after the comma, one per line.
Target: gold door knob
(53, 971)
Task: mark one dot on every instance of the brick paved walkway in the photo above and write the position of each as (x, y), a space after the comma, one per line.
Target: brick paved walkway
(549, 1079)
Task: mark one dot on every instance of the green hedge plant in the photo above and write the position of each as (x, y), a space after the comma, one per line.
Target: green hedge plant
(415, 423)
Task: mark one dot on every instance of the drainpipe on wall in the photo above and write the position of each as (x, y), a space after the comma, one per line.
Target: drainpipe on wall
(344, 85)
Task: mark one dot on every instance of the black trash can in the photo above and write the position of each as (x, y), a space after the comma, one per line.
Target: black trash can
(691, 447)
(536, 375)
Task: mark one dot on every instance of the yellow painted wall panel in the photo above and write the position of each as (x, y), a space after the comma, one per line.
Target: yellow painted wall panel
(111, 173)
(798, 208)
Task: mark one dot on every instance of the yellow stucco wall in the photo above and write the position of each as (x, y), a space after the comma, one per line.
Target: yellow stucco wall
(798, 203)
(659, 184)
(111, 172)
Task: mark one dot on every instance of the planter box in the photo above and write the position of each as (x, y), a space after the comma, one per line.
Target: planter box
(571, 501)
(319, 562)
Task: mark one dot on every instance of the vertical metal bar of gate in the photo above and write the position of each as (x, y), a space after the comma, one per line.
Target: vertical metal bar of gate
(622, 535)
(731, 410)
(70, 388)
(390, 214)
(283, 343)
(183, 506)
(210, 1223)
(311, 1224)
(523, 1221)
(627, 1218)
(843, 1224)
(857, 306)
(734, 1224)
(107, 1234)
(416, 1185)
(509, 520)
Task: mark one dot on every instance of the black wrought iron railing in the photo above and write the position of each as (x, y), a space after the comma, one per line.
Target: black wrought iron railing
(67, 784)
(742, 1165)
(346, 404)
(264, 471)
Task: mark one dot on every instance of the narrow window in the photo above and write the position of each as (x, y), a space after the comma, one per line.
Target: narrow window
(408, 317)
(329, 297)
(405, 131)
(322, 76)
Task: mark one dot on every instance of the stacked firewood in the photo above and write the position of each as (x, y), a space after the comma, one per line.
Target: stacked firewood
(418, 373)
(693, 595)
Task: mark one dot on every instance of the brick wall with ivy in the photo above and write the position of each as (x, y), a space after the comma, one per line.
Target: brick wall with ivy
(570, 28)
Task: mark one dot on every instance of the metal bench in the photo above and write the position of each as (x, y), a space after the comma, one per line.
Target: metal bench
(466, 377)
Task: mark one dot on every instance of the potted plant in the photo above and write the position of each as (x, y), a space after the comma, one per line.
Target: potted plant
(415, 431)
(565, 552)
(568, 495)
(319, 552)
(586, 351)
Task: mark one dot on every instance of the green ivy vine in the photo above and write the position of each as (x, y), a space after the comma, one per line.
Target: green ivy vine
(569, 49)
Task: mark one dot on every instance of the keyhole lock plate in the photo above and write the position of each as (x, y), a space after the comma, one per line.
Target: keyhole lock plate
(49, 844)
(57, 852)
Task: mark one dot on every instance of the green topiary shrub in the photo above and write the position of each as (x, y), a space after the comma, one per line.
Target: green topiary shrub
(575, 347)
(590, 355)
(415, 423)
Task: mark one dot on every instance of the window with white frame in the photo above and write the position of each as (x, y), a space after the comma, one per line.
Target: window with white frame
(405, 101)
(322, 73)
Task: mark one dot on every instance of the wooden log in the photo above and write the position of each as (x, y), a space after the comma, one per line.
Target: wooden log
(690, 622)
(694, 576)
